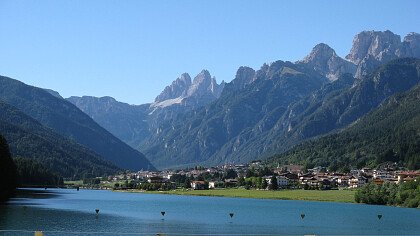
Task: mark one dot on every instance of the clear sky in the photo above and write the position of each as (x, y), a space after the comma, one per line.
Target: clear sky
(131, 50)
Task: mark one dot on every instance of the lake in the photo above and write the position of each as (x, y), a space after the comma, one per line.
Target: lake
(70, 212)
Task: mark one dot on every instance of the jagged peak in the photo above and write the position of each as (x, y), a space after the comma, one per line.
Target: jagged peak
(204, 75)
(377, 33)
(176, 89)
(184, 77)
(202, 85)
(244, 75)
(373, 43)
(320, 51)
(412, 36)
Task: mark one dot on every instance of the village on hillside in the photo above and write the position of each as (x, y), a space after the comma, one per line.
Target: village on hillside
(256, 175)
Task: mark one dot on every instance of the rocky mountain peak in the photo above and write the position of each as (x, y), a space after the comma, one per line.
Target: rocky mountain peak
(176, 89)
(412, 36)
(185, 78)
(202, 90)
(411, 45)
(203, 77)
(373, 48)
(202, 83)
(382, 45)
(321, 52)
(244, 76)
(325, 61)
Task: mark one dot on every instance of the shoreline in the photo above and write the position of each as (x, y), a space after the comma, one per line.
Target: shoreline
(344, 196)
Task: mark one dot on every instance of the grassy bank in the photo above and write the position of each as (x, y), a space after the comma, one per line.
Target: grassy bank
(307, 195)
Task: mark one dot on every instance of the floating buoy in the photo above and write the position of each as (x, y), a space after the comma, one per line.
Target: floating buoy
(39, 233)
(379, 216)
(231, 215)
(302, 216)
(77, 188)
(97, 211)
(163, 213)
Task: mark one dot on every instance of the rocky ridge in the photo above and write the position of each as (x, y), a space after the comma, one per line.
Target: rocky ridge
(225, 121)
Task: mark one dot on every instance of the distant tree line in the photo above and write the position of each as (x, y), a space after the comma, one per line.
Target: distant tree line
(22, 172)
(405, 194)
(7, 171)
(31, 173)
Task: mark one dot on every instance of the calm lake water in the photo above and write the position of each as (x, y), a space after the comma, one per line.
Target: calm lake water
(70, 212)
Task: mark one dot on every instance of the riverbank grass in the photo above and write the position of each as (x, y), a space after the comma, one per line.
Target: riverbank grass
(299, 194)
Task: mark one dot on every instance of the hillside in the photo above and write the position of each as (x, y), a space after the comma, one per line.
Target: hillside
(27, 138)
(67, 120)
(330, 109)
(389, 133)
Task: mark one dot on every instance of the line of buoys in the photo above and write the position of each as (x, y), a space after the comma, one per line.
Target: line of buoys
(302, 216)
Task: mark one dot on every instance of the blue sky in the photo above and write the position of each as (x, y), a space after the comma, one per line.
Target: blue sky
(131, 50)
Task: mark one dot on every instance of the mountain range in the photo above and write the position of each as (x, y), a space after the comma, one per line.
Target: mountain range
(267, 111)
(259, 114)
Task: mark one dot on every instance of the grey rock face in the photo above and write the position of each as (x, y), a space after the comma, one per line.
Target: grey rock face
(373, 48)
(202, 84)
(176, 89)
(381, 45)
(201, 91)
(244, 76)
(411, 45)
(324, 60)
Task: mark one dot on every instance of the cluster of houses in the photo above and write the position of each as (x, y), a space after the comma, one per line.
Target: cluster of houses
(287, 176)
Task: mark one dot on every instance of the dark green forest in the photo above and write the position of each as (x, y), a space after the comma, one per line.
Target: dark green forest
(388, 134)
(7, 171)
(32, 173)
(29, 139)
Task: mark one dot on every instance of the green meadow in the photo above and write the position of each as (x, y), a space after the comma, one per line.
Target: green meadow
(306, 195)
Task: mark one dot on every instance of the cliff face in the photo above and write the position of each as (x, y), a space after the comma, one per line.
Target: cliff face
(324, 60)
(201, 91)
(373, 48)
